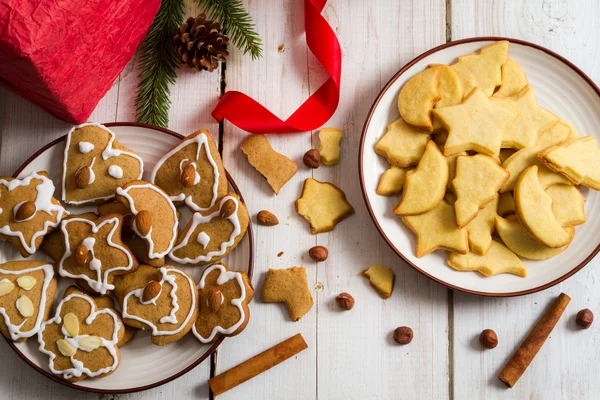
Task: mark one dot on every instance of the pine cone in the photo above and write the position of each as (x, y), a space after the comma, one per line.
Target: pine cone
(201, 44)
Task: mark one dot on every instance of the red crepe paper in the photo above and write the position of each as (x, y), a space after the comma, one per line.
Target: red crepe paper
(63, 55)
(249, 115)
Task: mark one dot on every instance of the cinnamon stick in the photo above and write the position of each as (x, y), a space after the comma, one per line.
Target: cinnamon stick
(518, 363)
(257, 364)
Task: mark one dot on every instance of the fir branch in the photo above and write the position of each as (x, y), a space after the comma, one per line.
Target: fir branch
(158, 63)
(237, 24)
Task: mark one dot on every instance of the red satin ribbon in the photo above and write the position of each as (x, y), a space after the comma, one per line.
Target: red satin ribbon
(249, 115)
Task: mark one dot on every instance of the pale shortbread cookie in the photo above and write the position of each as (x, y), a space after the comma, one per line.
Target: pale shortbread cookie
(381, 279)
(524, 130)
(567, 204)
(483, 69)
(424, 186)
(417, 97)
(450, 88)
(402, 145)
(573, 134)
(391, 181)
(513, 79)
(329, 147)
(498, 260)
(506, 204)
(452, 167)
(534, 209)
(475, 124)
(517, 239)
(436, 229)
(524, 158)
(477, 181)
(481, 228)
(323, 205)
(578, 160)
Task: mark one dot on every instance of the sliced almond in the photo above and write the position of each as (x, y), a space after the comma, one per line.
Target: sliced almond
(151, 290)
(25, 306)
(90, 342)
(26, 211)
(82, 177)
(65, 348)
(6, 287)
(26, 282)
(81, 255)
(188, 175)
(71, 324)
(143, 222)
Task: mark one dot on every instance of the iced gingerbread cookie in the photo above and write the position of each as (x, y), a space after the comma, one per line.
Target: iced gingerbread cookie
(192, 172)
(82, 339)
(95, 165)
(163, 301)
(323, 205)
(28, 211)
(402, 145)
(223, 299)
(483, 69)
(211, 235)
(154, 218)
(498, 260)
(417, 97)
(27, 290)
(288, 286)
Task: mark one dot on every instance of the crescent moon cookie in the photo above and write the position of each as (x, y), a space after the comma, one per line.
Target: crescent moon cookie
(211, 235)
(154, 217)
(192, 172)
(483, 69)
(450, 88)
(95, 165)
(82, 339)
(163, 301)
(424, 186)
(402, 145)
(28, 211)
(417, 97)
(27, 290)
(578, 160)
(498, 260)
(223, 300)
(534, 209)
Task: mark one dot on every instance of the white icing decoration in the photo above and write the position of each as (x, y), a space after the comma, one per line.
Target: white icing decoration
(43, 202)
(172, 317)
(115, 171)
(198, 219)
(106, 154)
(78, 366)
(200, 140)
(125, 193)
(85, 147)
(203, 239)
(92, 175)
(224, 276)
(100, 284)
(14, 330)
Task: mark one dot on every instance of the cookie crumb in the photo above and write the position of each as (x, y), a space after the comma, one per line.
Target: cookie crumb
(281, 48)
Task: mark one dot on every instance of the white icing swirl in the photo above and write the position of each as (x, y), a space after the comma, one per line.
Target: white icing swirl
(85, 147)
(203, 239)
(115, 171)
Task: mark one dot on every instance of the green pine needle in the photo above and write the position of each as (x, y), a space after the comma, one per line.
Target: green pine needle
(158, 63)
(236, 22)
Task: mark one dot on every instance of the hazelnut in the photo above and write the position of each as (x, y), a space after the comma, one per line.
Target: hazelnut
(584, 318)
(318, 253)
(26, 211)
(345, 301)
(312, 158)
(266, 218)
(403, 335)
(228, 208)
(488, 339)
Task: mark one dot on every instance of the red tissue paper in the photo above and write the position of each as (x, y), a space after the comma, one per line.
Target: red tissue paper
(64, 55)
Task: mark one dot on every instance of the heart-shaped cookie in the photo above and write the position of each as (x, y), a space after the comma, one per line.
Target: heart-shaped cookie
(95, 165)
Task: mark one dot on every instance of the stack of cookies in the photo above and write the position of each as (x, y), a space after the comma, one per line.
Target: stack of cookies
(485, 172)
(116, 256)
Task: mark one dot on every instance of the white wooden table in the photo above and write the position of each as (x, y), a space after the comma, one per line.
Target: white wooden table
(351, 354)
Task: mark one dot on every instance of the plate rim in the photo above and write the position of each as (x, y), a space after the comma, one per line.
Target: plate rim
(388, 85)
(207, 353)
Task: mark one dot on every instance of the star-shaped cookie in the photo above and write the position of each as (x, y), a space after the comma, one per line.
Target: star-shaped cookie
(483, 69)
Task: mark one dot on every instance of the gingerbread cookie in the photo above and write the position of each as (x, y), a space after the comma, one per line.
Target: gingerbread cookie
(498, 260)
(483, 69)
(27, 290)
(82, 338)
(164, 301)
(288, 286)
(211, 235)
(402, 145)
(192, 172)
(95, 165)
(28, 211)
(223, 300)
(578, 160)
(417, 97)
(329, 148)
(323, 205)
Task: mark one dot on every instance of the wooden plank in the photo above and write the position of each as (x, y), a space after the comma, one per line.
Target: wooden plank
(562, 369)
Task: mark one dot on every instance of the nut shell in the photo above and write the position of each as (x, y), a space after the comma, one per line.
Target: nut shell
(318, 253)
(266, 218)
(488, 339)
(584, 318)
(345, 301)
(25, 211)
(403, 335)
(312, 158)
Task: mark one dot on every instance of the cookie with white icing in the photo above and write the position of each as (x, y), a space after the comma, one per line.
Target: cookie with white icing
(154, 218)
(27, 290)
(223, 299)
(28, 211)
(82, 340)
(212, 234)
(163, 301)
(192, 172)
(95, 165)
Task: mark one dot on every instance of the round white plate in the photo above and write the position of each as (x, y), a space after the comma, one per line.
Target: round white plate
(143, 365)
(559, 87)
